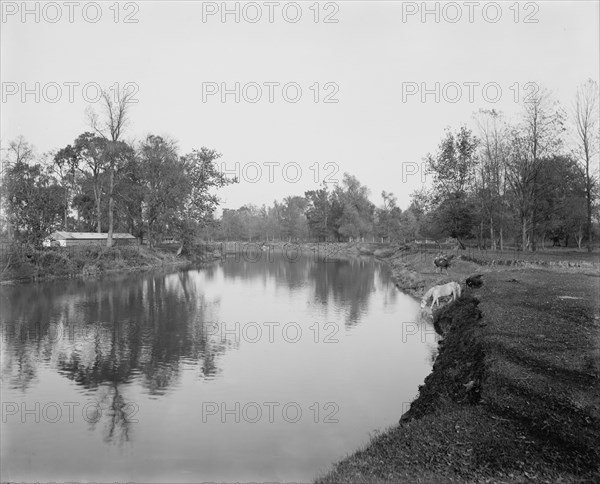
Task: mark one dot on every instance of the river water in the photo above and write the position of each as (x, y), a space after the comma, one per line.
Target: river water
(255, 368)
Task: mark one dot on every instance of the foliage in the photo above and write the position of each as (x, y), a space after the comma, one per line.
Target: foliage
(35, 202)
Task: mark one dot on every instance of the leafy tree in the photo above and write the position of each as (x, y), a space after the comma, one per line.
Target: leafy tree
(88, 156)
(18, 151)
(274, 218)
(388, 218)
(130, 193)
(293, 222)
(166, 186)
(409, 225)
(318, 213)
(352, 210)
(453, 170)
(85, 205)
(561, 201)
(66, 162)
(201, 202)
(34, 201)
(231, 225)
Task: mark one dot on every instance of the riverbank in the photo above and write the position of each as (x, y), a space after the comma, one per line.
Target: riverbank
(49, 264)
(514, 394)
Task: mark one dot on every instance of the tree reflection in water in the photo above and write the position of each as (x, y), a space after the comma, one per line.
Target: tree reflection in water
(104, 334)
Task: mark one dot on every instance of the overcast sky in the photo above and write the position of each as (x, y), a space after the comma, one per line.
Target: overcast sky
(370, 57)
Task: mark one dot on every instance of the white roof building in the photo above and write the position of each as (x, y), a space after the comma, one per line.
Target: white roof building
(65, 239)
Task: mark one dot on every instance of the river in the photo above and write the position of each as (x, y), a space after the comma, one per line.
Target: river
(265, 367)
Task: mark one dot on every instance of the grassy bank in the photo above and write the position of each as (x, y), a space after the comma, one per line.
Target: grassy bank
(25, 265)
(514, 394)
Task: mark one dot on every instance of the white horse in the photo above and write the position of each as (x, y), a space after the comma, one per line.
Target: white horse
(436, 292)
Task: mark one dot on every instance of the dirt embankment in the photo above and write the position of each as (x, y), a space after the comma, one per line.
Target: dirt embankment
(514, 395)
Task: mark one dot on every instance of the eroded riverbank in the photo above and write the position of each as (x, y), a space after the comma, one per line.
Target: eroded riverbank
(514, 394)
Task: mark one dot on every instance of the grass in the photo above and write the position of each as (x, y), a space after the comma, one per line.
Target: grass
(514, 394)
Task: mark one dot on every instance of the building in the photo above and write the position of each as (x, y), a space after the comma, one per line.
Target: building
(72, 239)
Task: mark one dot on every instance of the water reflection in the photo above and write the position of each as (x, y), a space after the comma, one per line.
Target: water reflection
(348, 281)
(101, 332)
(117, 339)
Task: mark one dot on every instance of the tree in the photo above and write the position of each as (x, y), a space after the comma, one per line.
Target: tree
(318, 213)
(116, 105)
(204, 178)
(561, 200)
(19, 151)
(88, 155)
(129, 194)
(166, 186)
(409, 225)
(538, 136)
(388, 217)
(293, 222)
(231, 226)
(35, 203)
(586, 126)
(66, 163)
(490, 179)
(352, 211)
(274, 218)
(85, 205)
(453, 170)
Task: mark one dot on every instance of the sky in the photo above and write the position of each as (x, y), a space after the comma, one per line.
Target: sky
(292, 94)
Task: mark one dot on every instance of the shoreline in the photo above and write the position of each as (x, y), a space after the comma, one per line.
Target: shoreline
(508, 398)
(90, 267)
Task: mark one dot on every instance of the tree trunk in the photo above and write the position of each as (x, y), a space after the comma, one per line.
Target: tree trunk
(66, 207)
(588, 190)
(111, 203)
(98, 210)
(524, 233)
(533, 228)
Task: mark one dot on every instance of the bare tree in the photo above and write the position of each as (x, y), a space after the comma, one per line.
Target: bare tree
(110, 126)
(586, 126)
(19, 151)
(491, 178)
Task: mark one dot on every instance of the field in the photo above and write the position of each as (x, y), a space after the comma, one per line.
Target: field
(514, 394)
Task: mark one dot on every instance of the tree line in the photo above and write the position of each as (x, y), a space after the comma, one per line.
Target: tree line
(341, 213)
(102, 183)
(524, 182)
